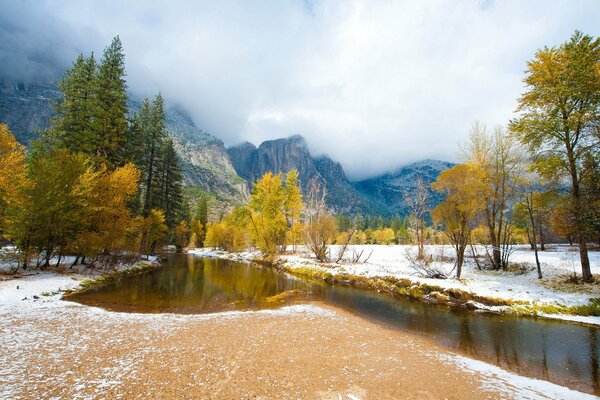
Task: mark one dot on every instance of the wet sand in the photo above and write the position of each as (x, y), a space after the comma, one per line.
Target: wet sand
(296, 353)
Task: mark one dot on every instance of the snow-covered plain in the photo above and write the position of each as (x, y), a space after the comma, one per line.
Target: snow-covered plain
(558, 262)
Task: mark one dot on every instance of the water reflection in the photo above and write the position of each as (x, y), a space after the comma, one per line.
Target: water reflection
(188, 284)
(563, 353)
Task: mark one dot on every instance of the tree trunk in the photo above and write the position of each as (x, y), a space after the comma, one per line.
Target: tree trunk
(533, 239)
(460, 258)
(586, 272)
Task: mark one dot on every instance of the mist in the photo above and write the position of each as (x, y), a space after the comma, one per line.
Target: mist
(373, 84)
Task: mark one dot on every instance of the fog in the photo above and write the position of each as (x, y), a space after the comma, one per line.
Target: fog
(373, 84)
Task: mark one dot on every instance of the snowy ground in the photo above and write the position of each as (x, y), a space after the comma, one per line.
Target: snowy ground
(557, 262)
(45, 339)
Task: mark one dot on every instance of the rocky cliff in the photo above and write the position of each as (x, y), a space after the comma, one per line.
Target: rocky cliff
(282, 155)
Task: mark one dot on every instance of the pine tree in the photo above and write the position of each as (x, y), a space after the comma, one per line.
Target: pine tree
(151, 129)
(111, 113)
(202, 217)
(171, 178)
(73, 126)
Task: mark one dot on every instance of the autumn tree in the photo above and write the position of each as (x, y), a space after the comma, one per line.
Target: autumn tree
(559, 117)
(499, 155)
(107, 226)
(12, 175)
(463, 185)
(320, 228)
(293, 206)
(268, 222)
(154, 231)
(54, 204)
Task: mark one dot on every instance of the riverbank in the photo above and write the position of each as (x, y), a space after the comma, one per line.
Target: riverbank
(55, 348)
(517, 292)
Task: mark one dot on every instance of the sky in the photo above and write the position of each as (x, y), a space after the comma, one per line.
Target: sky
(373, 84)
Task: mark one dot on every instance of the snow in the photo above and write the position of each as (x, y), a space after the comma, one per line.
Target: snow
(557, 262)
(513, 385)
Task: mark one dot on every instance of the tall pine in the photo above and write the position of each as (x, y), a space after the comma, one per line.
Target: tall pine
(73, 126)
(111, 112)
(171, 177)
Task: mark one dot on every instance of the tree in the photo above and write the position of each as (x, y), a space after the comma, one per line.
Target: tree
(202, 217)
(182, 235)
(320, 228)
(170, 184)
(111, 113)
(417, 202)
(268, 213)
(12, 175)
(230, 234)
(154, 231)
(293, 206)
(527, 212)
(464, 188)
(559, 119)
(499, 155)
(55, 203)
(106, 225)
(73, 125)
(150, 122)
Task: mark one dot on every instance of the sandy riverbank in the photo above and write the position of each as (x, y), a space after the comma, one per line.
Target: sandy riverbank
(53, 348)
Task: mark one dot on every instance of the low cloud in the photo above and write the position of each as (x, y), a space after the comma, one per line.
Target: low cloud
(374, 84)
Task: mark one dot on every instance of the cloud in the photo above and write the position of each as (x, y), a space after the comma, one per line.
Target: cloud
(374, 84)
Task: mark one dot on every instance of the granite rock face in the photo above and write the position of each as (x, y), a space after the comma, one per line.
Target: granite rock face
(26, 107)
(282, 155)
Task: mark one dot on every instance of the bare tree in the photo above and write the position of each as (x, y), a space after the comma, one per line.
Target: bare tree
(320, 226)
(417, 201)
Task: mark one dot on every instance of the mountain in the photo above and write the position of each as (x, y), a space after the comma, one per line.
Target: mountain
(26, 108)
(389, 189)
(282, 155)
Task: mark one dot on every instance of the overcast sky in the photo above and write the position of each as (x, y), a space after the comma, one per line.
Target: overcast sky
(374, 84)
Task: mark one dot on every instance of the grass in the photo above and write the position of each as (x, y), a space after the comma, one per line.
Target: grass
(592, 309)
(396, 287)
(407, 289)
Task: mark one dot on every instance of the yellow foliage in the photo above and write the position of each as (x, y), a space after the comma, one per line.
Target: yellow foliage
(12, 173)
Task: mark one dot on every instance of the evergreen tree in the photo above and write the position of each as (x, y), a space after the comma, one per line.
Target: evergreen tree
(150, 126)
(202, 217)
(111, 113)
(171, 178)
(73, 126)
